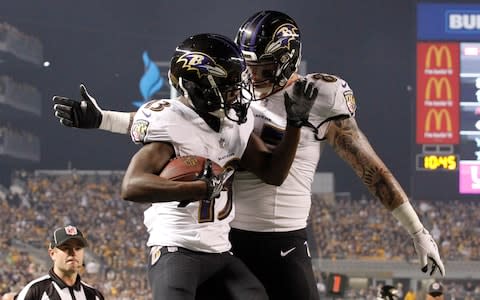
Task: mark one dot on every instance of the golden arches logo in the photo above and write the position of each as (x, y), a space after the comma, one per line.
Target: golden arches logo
(438, 53)
(440, 116)
(438, 85)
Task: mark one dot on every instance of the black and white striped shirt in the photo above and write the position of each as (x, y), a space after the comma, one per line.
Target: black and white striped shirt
(51, 287)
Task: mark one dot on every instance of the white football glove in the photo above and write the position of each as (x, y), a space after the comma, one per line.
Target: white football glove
(427, 250)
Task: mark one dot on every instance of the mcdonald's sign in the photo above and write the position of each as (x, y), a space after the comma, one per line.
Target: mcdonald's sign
(438, 92)
(438, 58)
(437, 53)
(440, 117)
(438, 85)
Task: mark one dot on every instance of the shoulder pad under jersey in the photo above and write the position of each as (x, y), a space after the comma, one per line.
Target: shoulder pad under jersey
(153, 120)
(334, 98)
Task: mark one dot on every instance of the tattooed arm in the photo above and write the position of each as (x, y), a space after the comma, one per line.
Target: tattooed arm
(352, 146)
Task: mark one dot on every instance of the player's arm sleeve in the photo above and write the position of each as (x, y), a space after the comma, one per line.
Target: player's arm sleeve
(116, 121)
(335, 100)
(152, 126)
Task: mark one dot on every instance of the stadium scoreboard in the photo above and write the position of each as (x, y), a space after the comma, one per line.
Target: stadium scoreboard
(437, 157)
(447, 142)
(447, 162)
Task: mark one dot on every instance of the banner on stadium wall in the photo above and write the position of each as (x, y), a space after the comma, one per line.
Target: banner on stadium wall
(469, 177)
(438, 93)
(455, 22)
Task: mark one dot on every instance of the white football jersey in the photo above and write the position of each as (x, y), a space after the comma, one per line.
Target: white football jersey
(201, 225)
(263, 207)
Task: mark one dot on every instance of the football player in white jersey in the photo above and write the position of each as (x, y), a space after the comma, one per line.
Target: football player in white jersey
(277, 215)
(188, 222)
(269, 228)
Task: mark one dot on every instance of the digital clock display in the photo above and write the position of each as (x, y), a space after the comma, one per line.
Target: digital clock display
(447, 162)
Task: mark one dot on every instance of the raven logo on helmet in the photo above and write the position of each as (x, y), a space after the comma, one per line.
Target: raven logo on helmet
(208, 71)
(202, 64)
(271, 37)
(282, 38)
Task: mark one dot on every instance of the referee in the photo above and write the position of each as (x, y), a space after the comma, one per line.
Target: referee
(62, 281)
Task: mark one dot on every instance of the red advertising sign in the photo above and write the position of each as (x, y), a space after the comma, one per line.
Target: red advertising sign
(438, 93)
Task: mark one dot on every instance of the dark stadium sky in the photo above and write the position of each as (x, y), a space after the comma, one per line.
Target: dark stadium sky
(369, 43)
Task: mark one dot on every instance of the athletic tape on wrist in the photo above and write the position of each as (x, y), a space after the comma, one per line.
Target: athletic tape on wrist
(407, 216)
(115, 121)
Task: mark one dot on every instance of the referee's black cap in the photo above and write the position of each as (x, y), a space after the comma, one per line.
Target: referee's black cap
(435, 289)
(63, 234)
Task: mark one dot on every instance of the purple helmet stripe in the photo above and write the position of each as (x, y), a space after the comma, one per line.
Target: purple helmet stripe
(261, 17)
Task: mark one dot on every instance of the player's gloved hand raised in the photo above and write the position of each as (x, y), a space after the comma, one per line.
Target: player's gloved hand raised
(214, 182)
(300, 102)
(81, 114)
(427, 251)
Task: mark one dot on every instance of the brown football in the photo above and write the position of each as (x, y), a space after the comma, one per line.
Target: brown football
(187, 168)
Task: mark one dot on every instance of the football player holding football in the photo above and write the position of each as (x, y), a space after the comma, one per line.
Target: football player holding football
(188, 221)
(269, 229)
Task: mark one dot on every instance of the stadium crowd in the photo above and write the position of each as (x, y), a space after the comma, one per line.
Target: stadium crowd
(371, 231)
(36, 203)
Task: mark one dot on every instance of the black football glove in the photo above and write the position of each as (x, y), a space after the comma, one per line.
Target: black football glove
(80, 114)
(300, 102)
(214, 182)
